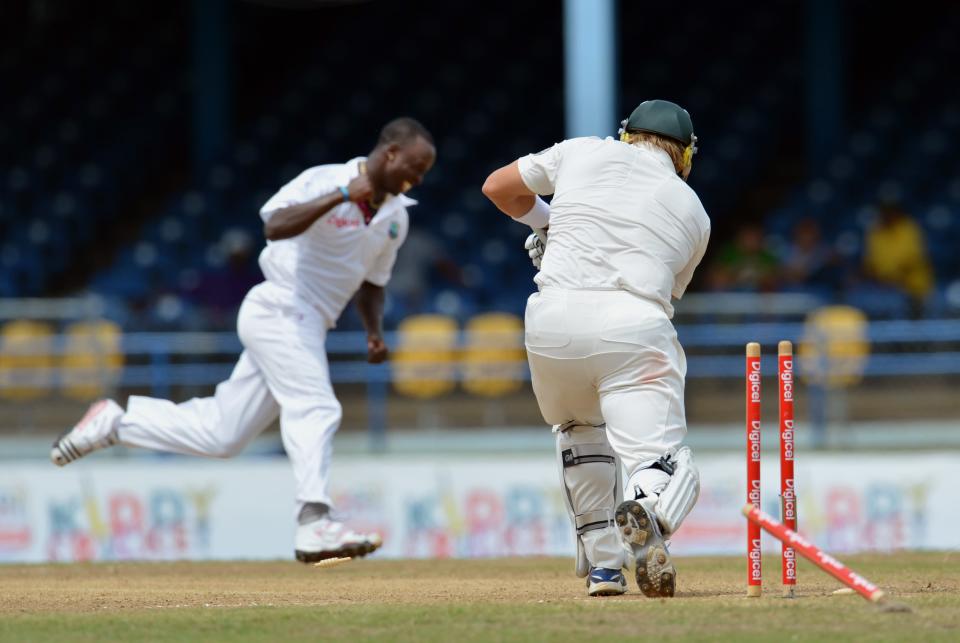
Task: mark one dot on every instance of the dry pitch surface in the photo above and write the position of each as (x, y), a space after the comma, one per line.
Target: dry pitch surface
(494, 600)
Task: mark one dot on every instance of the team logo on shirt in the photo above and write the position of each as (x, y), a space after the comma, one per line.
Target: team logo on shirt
(339, 221)
(394, 230)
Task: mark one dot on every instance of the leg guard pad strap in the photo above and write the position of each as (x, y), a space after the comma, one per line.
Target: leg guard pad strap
(589, 474)
(680, 495)
(592, 520)
(587, 453)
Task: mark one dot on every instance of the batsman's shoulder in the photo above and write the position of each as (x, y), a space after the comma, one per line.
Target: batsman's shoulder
(585, 142)
(677, 196)
(674, 190)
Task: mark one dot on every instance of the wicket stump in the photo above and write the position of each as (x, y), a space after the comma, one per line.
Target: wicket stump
(788, 497)
(814, 554)
(754, 556)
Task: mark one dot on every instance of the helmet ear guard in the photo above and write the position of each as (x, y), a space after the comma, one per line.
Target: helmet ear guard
(689, 151)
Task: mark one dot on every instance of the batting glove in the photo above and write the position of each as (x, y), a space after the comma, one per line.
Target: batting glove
(535, 245)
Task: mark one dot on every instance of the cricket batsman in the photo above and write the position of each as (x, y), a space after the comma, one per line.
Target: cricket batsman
(620, 238)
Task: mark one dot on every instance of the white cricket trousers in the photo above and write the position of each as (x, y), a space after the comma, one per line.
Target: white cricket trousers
(282, 370)
(608, 357)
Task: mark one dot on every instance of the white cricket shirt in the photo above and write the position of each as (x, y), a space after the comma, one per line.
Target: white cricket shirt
(325, 265)
(620, 218)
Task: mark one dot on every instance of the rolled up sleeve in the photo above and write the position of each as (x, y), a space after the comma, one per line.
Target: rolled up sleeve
(539, 171)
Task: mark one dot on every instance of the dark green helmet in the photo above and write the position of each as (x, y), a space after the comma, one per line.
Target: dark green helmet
(661, 117)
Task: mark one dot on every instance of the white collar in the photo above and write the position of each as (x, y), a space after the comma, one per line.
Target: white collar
(658, 154)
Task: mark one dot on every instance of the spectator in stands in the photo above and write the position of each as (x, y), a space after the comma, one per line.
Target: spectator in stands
(895, 254)
(808, 261)
(333, 231)
(221, 290)
(745, 264)
(423, 261)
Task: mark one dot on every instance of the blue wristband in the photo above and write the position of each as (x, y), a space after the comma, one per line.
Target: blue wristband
(345, 192)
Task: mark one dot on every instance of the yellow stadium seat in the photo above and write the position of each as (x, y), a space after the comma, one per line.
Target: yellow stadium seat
(834, 348)
(494, 356)
(424, 363)
(92, 359)
(26, 360)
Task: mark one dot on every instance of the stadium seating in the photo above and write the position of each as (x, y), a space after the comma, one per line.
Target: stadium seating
(834, 349)
(75, 171)
(27, 360)
(494, 359)
(84, 136)
(897, 150)
(92, 359)
(424, 361)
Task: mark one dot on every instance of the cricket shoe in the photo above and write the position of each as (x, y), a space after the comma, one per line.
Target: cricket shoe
(97, 429)
(655, 573)
(605, 582)
(325, 538)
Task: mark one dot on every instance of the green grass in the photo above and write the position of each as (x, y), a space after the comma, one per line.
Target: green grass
(497, 600)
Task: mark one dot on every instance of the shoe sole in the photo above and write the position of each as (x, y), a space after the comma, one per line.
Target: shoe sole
(358, 550)
(607, 589)
(655, 573)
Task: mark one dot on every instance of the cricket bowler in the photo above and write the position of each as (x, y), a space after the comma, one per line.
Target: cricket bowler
(331, 232)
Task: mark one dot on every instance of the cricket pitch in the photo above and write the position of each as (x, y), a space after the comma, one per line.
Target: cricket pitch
(528, 599)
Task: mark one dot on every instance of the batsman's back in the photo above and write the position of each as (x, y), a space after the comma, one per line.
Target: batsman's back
(620, 218)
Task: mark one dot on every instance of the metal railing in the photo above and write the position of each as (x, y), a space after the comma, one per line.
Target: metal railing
(159, 361)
